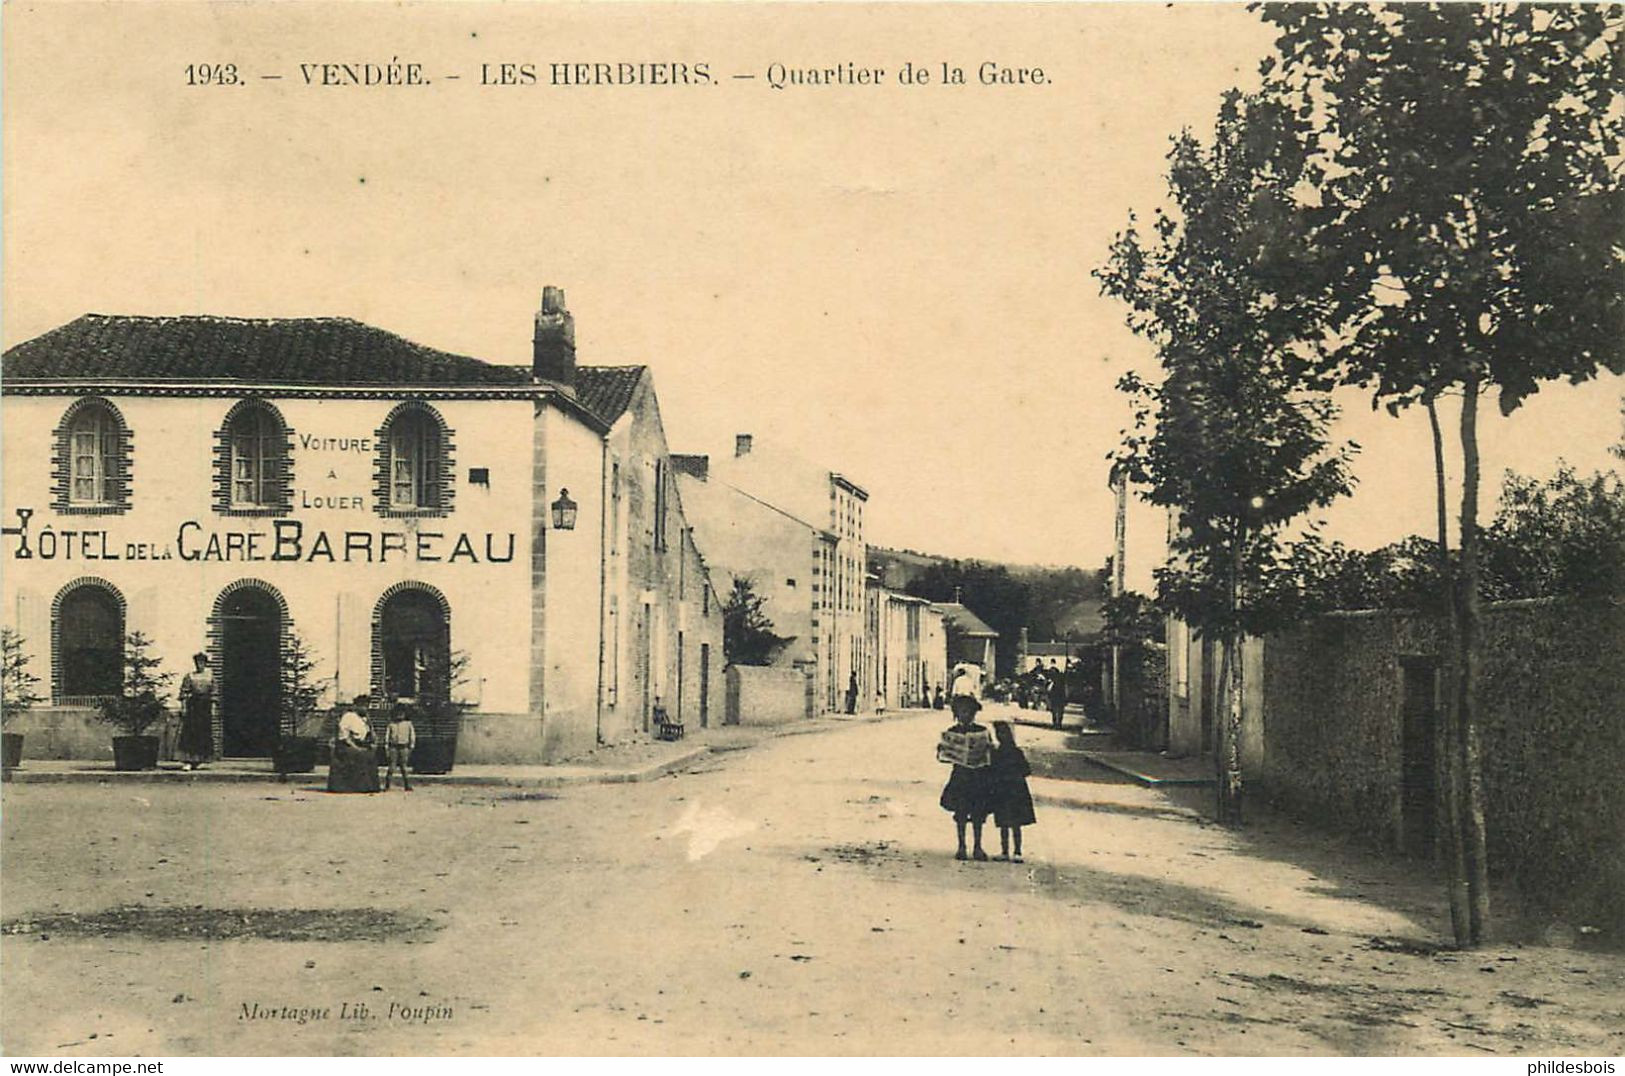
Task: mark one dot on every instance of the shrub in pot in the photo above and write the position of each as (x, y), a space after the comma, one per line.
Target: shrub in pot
(438, 715)
(138, 706)
(17, 693)
(300, 728)
(437, 723)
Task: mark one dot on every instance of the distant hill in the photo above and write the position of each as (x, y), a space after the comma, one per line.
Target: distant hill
(1050, 602)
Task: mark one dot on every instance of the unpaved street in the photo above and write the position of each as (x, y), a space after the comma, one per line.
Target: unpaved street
(800, 896)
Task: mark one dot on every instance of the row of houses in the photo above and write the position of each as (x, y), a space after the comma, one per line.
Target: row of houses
(224, 485)
(794, 532)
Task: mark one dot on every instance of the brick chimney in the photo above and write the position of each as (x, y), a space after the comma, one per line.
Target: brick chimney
(553, 348)
(741, 445)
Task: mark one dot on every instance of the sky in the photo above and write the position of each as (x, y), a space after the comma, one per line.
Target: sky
(891, 279)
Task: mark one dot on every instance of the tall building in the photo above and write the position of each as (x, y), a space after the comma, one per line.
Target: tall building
(832, 503)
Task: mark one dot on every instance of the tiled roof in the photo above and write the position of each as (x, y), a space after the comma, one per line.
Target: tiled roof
(606, 390)
(279, 350)
(961, 620)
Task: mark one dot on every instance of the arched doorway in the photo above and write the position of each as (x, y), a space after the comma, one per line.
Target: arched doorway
(413, 637)
(250, 624)
(89, 643)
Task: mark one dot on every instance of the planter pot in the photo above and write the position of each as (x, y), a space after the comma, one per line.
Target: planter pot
(13, 749)
(294, 754)
(434, 755)
(135, 752)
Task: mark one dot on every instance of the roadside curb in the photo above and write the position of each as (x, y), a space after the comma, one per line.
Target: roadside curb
(1125, 770)
(469, 776)
(540, 779)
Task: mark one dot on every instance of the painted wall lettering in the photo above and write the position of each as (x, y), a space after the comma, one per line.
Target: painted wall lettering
(289, 541)
(313, 443)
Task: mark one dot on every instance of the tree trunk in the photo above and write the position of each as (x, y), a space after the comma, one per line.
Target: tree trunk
(1447, 737)
(1233, 717)
(1478, 889)
(1221, 752)
(1228, 750)
(1119, 549)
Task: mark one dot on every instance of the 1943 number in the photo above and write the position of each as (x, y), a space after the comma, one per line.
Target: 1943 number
(212, 75)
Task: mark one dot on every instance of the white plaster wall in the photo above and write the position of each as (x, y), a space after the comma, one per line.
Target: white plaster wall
(573, 459)
(330, 603)
(741, 537)
(934, 648)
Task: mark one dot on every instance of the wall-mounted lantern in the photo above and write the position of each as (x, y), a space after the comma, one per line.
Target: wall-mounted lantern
(564, 512)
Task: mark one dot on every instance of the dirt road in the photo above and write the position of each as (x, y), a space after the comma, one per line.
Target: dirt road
(797, 897)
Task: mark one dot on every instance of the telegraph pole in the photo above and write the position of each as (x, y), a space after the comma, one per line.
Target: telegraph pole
(1119, 485)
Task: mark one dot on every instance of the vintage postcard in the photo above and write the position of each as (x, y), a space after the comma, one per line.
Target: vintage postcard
(812, 529)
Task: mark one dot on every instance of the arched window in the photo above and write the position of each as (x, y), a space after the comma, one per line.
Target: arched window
(414, 461)
(92, 459)
(412, 644)
(255, 438)
(252, 470)
(94, 438)
(88, 633)
(414, 464)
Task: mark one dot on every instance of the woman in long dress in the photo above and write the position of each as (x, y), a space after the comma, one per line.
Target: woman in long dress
(196, 744)
(355, 760)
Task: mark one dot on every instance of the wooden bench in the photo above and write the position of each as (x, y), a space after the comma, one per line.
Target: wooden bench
(665, 727)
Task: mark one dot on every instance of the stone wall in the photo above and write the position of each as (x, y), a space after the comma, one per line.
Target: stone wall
(1552, 715)
(1142, 717)
(763, 695)
(65, 732)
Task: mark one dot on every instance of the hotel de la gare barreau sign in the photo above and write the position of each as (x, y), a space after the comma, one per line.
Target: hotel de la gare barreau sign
(288, 540)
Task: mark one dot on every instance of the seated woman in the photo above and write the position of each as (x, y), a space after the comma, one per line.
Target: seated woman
(355, 759)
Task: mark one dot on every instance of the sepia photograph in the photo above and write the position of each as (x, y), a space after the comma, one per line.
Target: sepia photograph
(812, 529)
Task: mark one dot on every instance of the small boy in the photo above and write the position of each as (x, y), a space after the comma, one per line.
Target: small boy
(399, 740)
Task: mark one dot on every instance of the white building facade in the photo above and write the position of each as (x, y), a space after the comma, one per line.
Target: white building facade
(222, 485)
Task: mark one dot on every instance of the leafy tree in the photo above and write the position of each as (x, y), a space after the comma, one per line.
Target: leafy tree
(17, 685)
(1234, 436)
(1132, 619)
(1468, 237)
(747, 632)
(1564, 535)
(139, 703)
(1328, 576)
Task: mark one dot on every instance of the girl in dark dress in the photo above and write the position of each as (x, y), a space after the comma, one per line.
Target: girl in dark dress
(1012, 802)
(968, 794)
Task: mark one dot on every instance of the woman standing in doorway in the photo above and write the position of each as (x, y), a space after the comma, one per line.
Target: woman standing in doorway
(197, 713)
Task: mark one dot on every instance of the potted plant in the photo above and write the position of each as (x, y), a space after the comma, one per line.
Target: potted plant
(438, 715)
(17, 694)
(298, 736)
(138, 706)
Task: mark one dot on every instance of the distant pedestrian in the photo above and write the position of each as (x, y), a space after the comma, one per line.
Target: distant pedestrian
(937, 701)
(966, 692)
(968, 794)
(399, 739)
(1057, 696)
(852, 694)
(1012, 801)
(197, 714)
